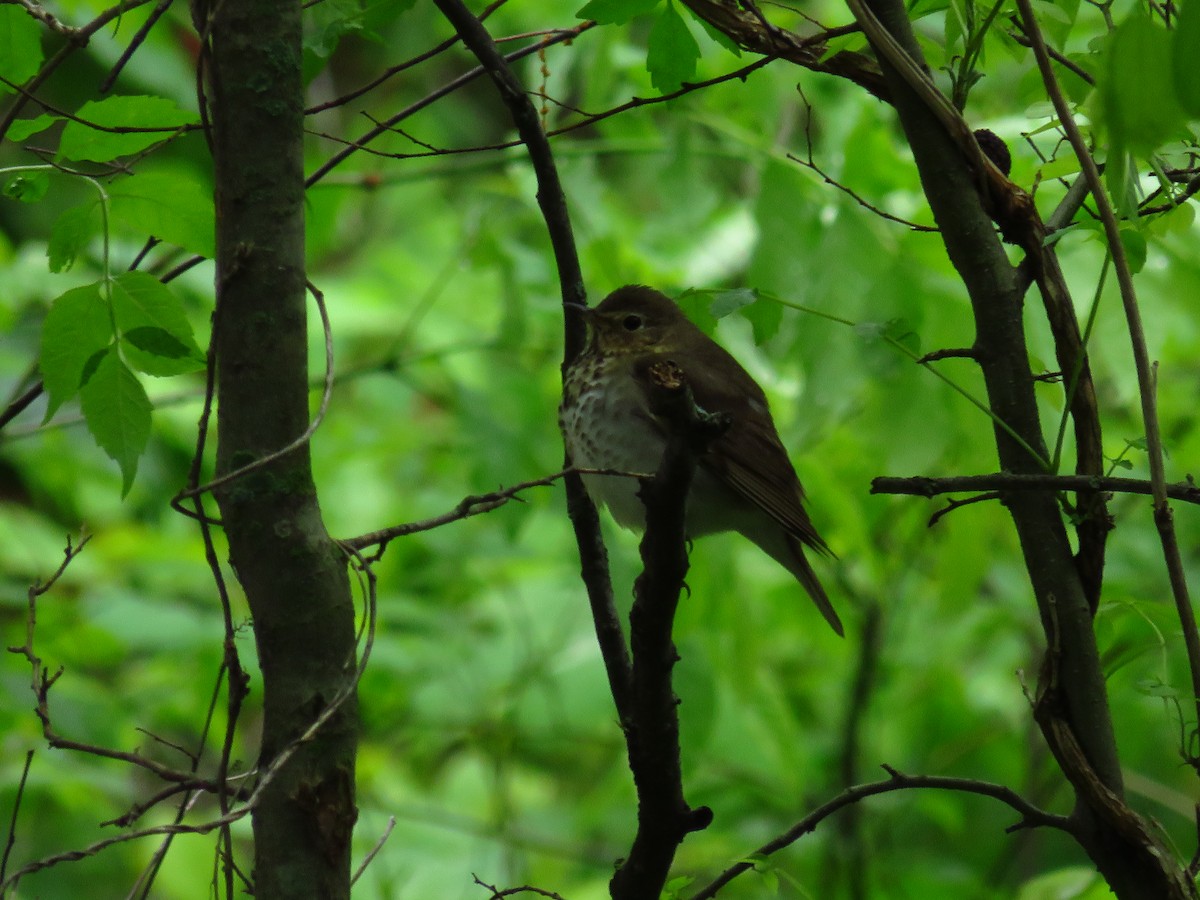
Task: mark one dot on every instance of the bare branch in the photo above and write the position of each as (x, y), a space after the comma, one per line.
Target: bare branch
(650, 715)
(1146, 371)
(16, 810)
(924, 486)
(300, 440)
(472, 505)
(374, 851)
(497, 893)
(19, 404)
(1031, 816)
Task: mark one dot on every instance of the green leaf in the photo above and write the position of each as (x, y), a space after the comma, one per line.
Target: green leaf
(170, 206)
(140, 299)
(671, 51)
(76, 328)
(328, 22)
(70, 232)
(676, 886)
(898, 331)
(28, 187)
(1121, 178)
(157, 334)
(20, 46)
(1134, 243)
(23, 128)
(80, 140)
(726, 302)
(615, 12)
(1137, 88)
(765, 317)
(1185, 50)
(697, 306)
(718, 37)
(1154, 687)
(117, 412)
(158, 352)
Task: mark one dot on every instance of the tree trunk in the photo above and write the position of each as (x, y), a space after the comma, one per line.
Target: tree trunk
(294, 576)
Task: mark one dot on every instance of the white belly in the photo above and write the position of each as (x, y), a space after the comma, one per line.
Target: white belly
(627, 441)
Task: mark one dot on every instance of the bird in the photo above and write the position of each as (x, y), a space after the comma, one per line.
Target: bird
(744, 481)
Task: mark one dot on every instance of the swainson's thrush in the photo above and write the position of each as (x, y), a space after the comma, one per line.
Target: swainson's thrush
(744, 482)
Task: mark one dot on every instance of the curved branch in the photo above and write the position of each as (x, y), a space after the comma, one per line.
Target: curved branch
(553, 203)
(1031, 816)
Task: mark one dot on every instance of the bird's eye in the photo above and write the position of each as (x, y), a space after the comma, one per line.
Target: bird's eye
(632, 322)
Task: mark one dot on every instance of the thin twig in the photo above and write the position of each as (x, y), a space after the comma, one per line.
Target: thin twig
(587, 120)
(450, 87)
(136, 41)
(810, 163)
(374, 851)
(1137, 336)
(952, 505)
(472, 505)
(361, 143)
(498, 894)
(399, 67)
(552, 202)
(264, 776)
(47, 18)
(12, 822)
(1031, 816)
(300, 441)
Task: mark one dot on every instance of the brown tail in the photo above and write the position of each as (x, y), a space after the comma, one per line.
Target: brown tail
(789, 553)
(798, 566)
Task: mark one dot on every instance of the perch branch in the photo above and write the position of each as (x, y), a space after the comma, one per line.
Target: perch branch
(651, 721)
(1031, 816)
(923, 486)
(553, 203)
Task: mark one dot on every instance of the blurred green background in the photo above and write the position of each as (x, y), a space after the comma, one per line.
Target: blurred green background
(489, 734)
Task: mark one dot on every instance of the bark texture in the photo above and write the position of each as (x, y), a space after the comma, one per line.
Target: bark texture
(294, 576)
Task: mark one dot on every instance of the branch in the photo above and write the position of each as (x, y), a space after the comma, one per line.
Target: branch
(16, 810)
(651, 721)
(47, 18)
(301, 440)
(1031, 816)
(79, 37)
(855, 854)
(21, 403)
(472, 505)
(750, 32)
(1146, 373)
(553, 203)
(399, 67)
(924, 486)
(587, 120)
(448, 88)
(497, 893)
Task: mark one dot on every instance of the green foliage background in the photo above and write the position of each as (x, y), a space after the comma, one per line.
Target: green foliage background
(489, 733)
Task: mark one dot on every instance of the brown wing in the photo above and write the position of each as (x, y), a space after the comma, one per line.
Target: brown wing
(749, 457)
